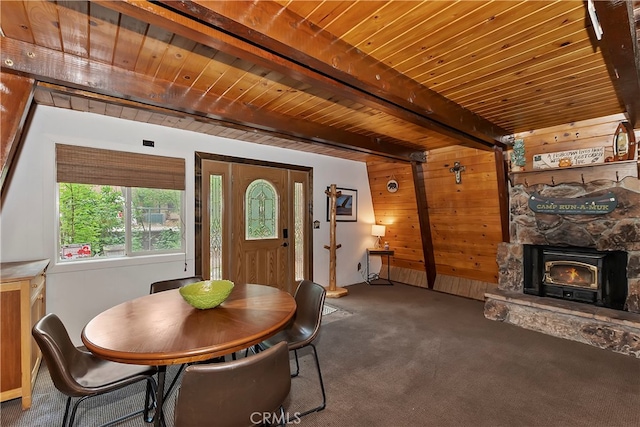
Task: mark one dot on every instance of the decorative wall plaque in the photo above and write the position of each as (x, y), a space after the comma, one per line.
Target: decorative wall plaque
(573, 206)
(457, 169)
(624, 142)
(560, 159)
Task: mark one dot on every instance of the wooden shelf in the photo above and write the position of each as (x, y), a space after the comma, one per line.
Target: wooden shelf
(614, 171)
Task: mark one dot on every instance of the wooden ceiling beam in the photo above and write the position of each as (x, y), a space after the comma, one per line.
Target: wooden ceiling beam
(15, 104)
(68, 70)
(620, 48)
(269, 25)
(394, 94)
(419, 185)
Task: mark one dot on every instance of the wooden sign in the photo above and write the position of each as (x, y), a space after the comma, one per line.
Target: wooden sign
(584, 156)
(573, 206)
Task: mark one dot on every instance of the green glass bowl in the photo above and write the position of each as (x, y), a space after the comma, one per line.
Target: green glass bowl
(206, 294)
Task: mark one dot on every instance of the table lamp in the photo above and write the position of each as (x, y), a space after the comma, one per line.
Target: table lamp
(378, 231)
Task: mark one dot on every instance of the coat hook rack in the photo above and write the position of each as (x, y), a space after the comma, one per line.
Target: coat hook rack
(333, 291)
(581, 174)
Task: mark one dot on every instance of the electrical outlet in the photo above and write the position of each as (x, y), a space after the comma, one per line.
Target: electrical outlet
(359, 266)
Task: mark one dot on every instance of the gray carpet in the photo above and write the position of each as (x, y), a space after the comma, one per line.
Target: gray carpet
(404, 356)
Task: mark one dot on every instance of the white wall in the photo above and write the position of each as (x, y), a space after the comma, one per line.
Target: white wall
(78, 291)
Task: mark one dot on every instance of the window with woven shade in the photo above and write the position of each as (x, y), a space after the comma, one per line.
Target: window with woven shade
(117, 204)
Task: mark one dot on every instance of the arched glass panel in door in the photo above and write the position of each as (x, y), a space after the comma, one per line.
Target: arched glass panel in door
(261, 211)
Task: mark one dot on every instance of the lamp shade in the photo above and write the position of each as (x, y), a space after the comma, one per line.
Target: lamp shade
(378, 230)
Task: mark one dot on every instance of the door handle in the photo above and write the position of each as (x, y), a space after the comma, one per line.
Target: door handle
(285, 244)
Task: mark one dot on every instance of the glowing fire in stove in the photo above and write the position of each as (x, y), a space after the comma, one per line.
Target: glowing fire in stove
(573, 274)
(570, 273)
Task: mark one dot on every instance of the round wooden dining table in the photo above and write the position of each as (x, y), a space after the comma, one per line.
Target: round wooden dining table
(162, 329)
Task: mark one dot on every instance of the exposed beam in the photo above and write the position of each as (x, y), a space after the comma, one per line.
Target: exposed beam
(269, 25)
(68, 70)
(503, 192)
(620, 48)
(425, 223)
(394, 94)
(15, 102)
(129, 103)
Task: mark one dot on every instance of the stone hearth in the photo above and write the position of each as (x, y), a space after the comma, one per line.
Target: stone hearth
(605, 328)
(618, 230)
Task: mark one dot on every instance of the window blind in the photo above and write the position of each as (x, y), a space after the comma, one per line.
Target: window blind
(85, 165)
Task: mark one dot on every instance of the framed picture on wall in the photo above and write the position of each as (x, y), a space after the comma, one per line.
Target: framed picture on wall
(346, 205)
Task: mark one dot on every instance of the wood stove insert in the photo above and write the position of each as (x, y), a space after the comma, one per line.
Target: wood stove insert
(577, 274)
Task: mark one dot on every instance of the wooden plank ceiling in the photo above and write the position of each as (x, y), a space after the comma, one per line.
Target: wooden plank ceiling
(346, 78)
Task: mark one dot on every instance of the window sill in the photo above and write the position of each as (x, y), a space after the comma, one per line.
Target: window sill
(105, 263)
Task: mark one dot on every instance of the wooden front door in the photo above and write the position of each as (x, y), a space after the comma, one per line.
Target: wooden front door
(255, 224)
(260, 226)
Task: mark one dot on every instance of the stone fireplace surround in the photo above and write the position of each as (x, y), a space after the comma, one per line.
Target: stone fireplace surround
(616, 330)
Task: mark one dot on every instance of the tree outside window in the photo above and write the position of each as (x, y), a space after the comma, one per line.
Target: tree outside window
(93, 221)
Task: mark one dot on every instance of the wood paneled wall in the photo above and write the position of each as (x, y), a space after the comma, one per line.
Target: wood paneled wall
(465, 217)
(399, 213)
(596, 132)
(465, 220)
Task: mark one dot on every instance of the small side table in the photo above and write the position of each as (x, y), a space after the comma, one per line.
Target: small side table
(374, 279)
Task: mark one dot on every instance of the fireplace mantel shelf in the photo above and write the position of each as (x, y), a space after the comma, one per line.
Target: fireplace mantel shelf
(614, 171)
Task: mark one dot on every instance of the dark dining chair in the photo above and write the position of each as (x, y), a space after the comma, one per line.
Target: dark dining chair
(79, 374)
(242, 392)
(304, 329)
(166, 285)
